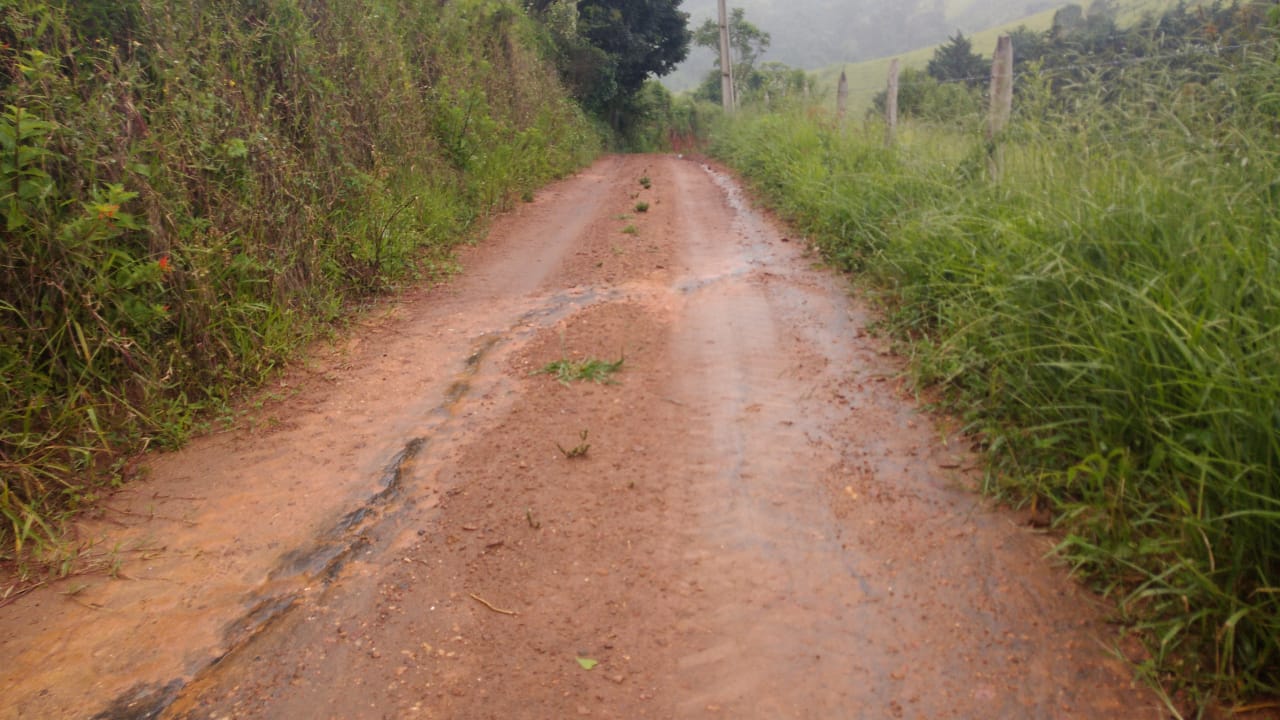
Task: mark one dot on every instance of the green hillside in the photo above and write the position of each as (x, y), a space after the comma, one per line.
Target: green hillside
(868, 78)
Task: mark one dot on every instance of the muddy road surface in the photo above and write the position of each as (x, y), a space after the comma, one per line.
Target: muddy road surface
(749, 519)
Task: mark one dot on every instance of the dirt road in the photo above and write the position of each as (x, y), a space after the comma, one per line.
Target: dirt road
(762, 526)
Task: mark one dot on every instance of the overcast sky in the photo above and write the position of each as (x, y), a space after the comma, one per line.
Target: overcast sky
(810, 34)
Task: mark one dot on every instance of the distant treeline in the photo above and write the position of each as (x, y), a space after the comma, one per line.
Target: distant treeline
(1091, 46)
(1089, 49)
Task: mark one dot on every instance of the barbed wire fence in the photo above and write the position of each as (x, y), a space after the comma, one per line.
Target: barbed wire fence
(1210, 51)
(1002, 80)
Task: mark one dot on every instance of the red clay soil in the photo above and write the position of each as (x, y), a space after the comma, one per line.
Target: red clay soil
(749, 520)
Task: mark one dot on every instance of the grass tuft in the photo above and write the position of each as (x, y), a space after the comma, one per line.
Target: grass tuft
(577, 451)
(589, 370)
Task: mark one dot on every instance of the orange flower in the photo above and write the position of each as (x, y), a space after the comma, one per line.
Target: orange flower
(107, 211)
(164, 264)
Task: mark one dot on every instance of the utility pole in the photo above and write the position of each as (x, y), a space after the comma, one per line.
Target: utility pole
(726, 61)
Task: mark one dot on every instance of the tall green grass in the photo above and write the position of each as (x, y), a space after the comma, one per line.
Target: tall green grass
(189, 190)
(1106, 319)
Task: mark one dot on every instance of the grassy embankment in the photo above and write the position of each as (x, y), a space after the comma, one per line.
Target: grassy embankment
(1106, 320)
(192, 190)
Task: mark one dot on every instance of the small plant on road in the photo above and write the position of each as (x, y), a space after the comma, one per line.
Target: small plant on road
(644, 182)
(579, 450)
(642, 206)
(591, 369)
(631, 230)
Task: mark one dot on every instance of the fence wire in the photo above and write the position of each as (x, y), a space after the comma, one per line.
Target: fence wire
(1192, 51)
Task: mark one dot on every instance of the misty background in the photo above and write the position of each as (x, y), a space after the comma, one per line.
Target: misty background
(810, 34)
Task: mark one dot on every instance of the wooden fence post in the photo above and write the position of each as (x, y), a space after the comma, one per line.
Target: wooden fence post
(1001, 104)
(891, 104)
(842, 96)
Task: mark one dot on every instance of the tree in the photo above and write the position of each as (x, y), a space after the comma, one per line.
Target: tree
(746, 41)
(776, 82)
(1029, 46)
(637, 39)
(746, 44)
(1067, 20)
(1102, 10)
(648, 118)
(956, 61)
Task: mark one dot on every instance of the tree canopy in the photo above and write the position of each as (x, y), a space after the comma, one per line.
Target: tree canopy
(747, 43)
(955, 61)
(632, 40)
(1087, 50)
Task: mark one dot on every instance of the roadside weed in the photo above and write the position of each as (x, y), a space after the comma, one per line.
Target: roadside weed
(577, 451)
(589, 370)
